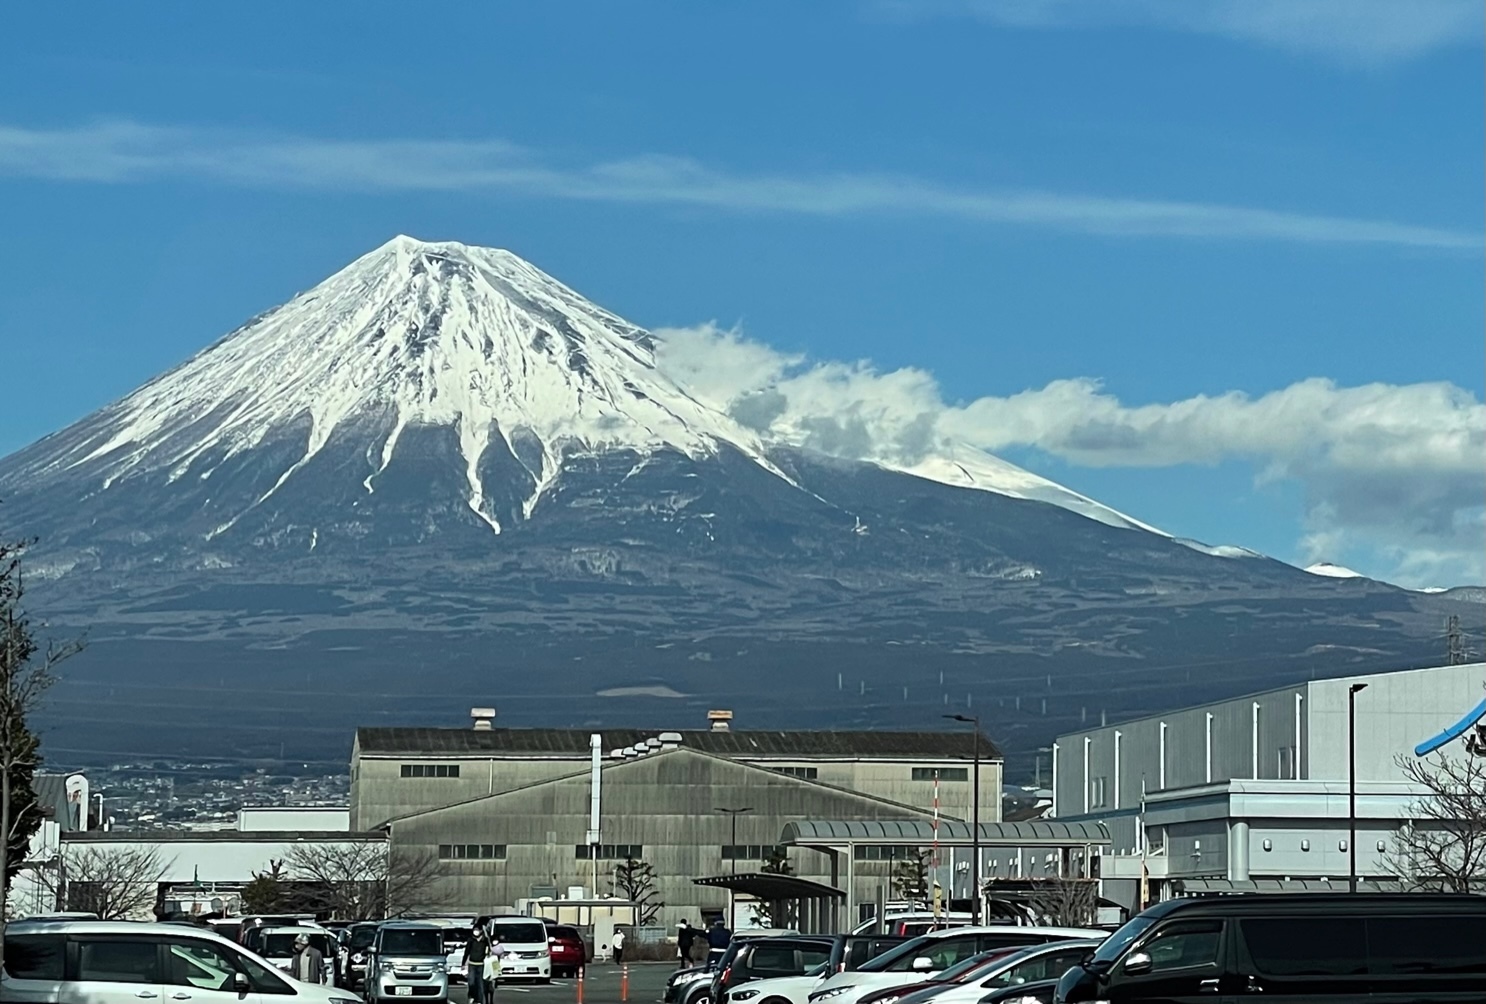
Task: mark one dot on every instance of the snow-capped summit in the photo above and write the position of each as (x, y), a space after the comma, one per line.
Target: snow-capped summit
(1332, 571)
(423, 335)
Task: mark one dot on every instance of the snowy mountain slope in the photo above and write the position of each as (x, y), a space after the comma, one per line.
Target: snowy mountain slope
(1331, 571)
(421, 336)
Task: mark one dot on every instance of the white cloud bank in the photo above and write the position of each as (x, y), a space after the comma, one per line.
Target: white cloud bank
(121, 152)
(1358, 32)
(1395, 473)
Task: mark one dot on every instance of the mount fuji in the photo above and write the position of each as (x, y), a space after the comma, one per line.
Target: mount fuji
(442, 477)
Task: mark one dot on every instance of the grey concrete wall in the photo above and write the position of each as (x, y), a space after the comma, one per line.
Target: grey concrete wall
(664, 803)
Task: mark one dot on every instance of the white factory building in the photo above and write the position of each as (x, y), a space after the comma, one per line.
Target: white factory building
(1253, 793)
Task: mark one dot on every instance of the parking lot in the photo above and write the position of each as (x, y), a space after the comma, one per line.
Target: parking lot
(601, 985)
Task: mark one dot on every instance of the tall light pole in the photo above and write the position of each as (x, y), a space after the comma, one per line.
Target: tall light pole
(1352, 693)
(733, 815)
(974, 720)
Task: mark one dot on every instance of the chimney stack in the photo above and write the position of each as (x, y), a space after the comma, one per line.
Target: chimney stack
(484, 718)
(719, 720)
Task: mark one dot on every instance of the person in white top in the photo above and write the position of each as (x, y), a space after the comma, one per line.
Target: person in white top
(619, 946)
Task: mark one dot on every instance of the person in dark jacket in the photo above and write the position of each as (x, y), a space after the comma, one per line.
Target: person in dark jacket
(474, 964)
(686, 936)
(718, 939)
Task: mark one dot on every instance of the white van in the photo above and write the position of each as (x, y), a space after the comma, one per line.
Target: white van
(525, 941)
(110, 962)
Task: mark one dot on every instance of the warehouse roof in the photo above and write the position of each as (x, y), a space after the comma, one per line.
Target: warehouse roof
(730, 743)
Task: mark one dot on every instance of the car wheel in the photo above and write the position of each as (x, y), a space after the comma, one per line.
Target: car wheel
(776, 1000)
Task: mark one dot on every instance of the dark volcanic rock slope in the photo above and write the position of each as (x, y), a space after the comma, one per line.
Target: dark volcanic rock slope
(442, 478)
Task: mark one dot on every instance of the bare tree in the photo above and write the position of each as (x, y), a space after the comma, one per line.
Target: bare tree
(635, 881)
(1064, 902)
(363, 880)
(114, 883)
(26, 674)
(1442, 846)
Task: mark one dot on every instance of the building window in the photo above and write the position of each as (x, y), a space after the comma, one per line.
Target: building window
(808, 773)
(472, 852)
(746, 852)
(1098, 792)
(884, 852)
(610, 852)
(943, 773)
(430, 770)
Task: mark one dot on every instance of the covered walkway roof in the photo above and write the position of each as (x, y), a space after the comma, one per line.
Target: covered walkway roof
(1027, 833)
(762, 885)
(1217, 886)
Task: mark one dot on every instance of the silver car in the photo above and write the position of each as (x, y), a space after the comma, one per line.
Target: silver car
(407, 962)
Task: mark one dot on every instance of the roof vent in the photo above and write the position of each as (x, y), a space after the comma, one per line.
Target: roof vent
(616, 754)
(484, 718)
(670, 740)
(653, 743)
(628, 752)
(719, 720)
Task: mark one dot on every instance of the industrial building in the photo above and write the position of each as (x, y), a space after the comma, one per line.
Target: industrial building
(509, 812)
(1253, 793)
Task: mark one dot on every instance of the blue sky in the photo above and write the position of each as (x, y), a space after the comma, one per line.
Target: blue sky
(1217, 264)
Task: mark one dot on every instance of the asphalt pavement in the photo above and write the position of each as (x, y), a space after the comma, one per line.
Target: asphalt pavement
(601, 985)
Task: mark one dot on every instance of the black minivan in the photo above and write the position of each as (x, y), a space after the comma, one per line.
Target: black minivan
(1326, 948)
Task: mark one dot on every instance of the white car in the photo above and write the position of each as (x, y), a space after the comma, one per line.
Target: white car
(276, 944)
(110, 962)
(528, 954)
(779, 989)
(922, 958)
(977, 976)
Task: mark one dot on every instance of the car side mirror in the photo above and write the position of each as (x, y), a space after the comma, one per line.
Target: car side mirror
(1138, 964)
(923, 964)
(241, 984)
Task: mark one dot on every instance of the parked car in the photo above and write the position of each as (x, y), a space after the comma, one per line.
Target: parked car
(528, 955)
(567, 949)
(848, 953)
(1039, 992)
(765, 958)
(252, 926)
(1003, 968)
(276, 944)
(694, 985)
(407, 960)
(922, 958)
(852, 951)
(356, 944)
(913, 924)
(103, 962)
(1345, 948)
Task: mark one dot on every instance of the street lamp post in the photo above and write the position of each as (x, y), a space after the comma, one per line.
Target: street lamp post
(1352, 693)
(974, 720)
(733, 815)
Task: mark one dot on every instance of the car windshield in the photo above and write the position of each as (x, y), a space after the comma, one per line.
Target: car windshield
(819, 970)
(456, 936)
(565, 933)
(282, 944)
(884, 962)
(521, 934)
(411, 942)
(1110, 949)
(362, 937)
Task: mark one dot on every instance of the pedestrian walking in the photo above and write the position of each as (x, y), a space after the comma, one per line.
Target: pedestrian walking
(618, 945)
(475, 954)
(308, 965)
(686, 936)
(718, 939)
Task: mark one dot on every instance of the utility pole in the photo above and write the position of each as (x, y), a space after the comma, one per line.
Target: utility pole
(1454, 643)
(733, 815)
(1352, 693)
(975, 897)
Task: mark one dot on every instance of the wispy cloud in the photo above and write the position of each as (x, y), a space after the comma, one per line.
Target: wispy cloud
(123, 152)
(1358, 32)
(1392, 471)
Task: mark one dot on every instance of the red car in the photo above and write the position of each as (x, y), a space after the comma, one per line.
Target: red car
(569, 953)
